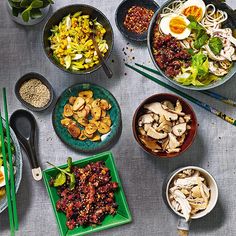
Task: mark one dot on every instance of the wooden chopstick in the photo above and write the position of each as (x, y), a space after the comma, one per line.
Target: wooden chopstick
(8, 190)
(190, 98)
(12, 176)
(206, 92)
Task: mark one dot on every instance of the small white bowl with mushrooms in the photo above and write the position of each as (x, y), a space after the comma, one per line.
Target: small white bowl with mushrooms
(190, 192)
(164, 125)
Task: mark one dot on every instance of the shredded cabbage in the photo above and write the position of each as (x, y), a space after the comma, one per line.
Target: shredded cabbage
(71, 42)
(198, 73)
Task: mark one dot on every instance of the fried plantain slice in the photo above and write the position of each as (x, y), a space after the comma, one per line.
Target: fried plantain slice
(72, 100)
(74, 130)
(96, 122)
(79, 102)
(103, 128)
(82, 121)
(89, 101)
(96, 103)
(104, 113)
(67, 121)
(96, 137)
(68, 111)
(96, 113)
(82, 113)
(86, 94)
(88, 135)
(91, 128)
(82, 136)
(107, 121)
(104, 104)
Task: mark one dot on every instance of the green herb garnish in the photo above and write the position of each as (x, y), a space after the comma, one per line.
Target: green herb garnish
(60, 179)
(201, 35)
(215, 45)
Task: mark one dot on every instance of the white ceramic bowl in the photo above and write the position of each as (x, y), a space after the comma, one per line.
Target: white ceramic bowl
(211, 184)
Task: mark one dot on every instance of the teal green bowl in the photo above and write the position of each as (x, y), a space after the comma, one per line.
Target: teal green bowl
(17, 159)
(87, 146)
(123, 215)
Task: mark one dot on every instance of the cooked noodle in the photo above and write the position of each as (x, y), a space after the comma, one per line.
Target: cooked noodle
(173, 7)
(213, 17)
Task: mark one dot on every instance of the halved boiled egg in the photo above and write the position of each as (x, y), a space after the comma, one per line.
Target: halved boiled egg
(2, 177)
(176, 25)
(195, 8)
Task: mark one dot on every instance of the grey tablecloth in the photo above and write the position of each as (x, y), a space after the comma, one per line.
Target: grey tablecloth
(142, 175)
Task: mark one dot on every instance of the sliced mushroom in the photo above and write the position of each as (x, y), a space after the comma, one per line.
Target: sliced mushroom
(141, 130)
(169, 104)
(181, 139)
(149, 142)
(157, 108)
(187, 118)
(173, 111)
(181, 120)
(156, 117)
(155, 126)
(179, 129)
(173, 141)
(145, 119)
(178, 106)
(154, 134)
(165, 142)
(147, 126)
(173, 150)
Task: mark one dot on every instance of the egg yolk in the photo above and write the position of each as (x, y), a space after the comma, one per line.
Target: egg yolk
(1, 176)
(193, 11)
(177, 25)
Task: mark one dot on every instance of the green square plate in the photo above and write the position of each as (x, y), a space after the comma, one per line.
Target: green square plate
(123, 215)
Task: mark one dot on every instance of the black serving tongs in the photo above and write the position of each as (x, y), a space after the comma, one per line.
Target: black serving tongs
(24, 125)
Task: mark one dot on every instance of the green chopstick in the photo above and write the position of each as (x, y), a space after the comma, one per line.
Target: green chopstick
(12, 177)
(206, 92)
(190, 98)
(6, 179)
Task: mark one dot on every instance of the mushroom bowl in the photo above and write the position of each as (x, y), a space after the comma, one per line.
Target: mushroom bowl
(164, 125)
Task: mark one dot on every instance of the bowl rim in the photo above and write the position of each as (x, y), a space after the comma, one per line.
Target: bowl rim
(27, 77)
(118, 23)
(205, 172)
(109, 143)
(80, 72)
(135, 133)
(190, 87)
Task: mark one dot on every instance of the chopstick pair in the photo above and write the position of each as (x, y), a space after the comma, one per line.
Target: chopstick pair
(10, 187)
(190, 98)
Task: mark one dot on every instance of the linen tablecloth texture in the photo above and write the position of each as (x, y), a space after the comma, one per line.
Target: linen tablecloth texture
(142, 175)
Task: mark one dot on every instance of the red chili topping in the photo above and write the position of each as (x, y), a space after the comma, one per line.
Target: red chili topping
(138, 19)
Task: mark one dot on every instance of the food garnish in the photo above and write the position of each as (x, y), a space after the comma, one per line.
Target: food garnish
(35, 93)
(138, 19)
(164, 127)
(91, 198)
(189, 193)
(72, 44)
(86, 117)
(190, 31)
(61, 177)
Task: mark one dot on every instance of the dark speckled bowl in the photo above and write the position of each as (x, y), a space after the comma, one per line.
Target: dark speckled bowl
(88, 146)
(122, 11)
(56, 18)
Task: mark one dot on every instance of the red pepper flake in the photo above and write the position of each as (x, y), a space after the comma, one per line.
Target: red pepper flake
(138, 19)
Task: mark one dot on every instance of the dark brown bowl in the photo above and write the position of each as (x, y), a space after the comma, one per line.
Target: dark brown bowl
(186, 109)
(71, 9)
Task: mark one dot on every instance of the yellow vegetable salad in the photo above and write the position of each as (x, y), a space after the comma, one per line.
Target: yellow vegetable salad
(72, 44)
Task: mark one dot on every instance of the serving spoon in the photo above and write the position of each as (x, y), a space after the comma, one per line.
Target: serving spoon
(105, 67)
(24, 125)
